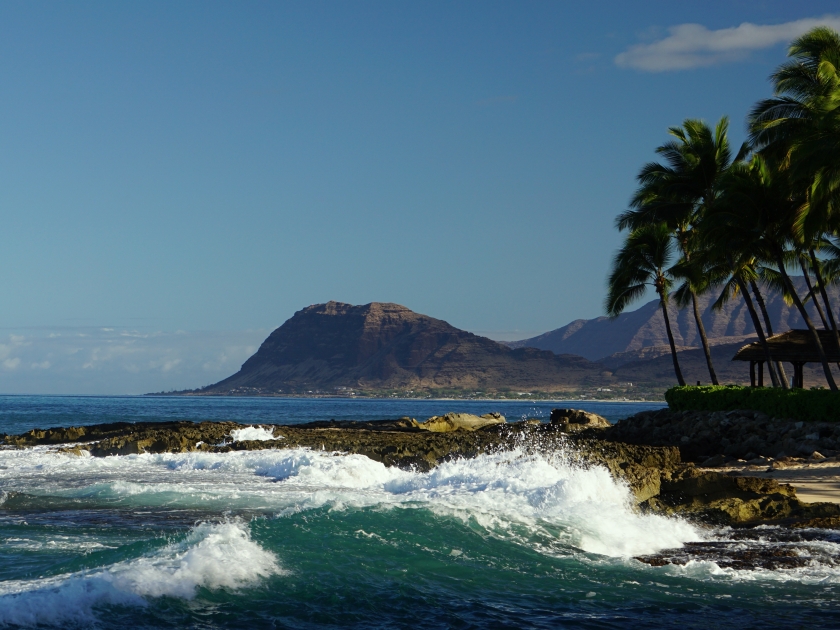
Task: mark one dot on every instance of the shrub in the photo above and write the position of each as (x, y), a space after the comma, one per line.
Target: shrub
(800, 404)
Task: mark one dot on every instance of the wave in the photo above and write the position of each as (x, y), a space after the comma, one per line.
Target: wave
(212, 556)
(545, 502)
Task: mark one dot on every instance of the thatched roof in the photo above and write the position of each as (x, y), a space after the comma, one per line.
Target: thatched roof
(794, 346)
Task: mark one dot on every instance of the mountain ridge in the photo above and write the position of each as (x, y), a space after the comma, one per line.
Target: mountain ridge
(600, 339)
(387, 346)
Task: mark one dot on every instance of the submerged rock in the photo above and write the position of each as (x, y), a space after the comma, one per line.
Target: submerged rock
(764, 548)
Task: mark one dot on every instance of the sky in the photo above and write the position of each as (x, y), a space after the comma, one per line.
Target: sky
(179, 178)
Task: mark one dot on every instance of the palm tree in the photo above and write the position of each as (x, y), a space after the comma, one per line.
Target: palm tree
(759, 299)
(800, 128)
(729, 256)
(642, 262)
(679, 192)
(760, 212)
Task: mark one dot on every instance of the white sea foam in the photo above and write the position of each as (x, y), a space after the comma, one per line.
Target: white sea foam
(253, 433)
(543, 502)
(212, 556)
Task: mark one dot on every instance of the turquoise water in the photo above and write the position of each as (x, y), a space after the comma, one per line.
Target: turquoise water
(305, 539)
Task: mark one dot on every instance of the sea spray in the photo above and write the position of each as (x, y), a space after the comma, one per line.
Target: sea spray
(509, 493)
(253, 433)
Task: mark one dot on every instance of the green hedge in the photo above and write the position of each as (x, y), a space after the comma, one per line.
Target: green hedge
(800, 404)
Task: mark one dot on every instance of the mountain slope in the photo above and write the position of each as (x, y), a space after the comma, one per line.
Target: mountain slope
(387, 346)
(602, 338)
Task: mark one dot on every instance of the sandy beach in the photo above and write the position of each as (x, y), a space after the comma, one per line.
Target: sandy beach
(814, 481)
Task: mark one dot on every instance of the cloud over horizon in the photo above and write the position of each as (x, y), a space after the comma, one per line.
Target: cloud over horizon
(690, 46)
(90, 360)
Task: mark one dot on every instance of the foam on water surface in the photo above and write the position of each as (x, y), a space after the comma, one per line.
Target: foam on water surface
(546, 504)
(212, 556)
(509, 494)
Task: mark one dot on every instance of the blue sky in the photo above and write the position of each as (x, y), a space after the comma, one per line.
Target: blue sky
(177, 179)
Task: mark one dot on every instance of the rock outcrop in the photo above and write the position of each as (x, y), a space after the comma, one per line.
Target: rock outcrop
(334, 347)
(720, 436)
(658, 478)
(573, 420)
(460, 422)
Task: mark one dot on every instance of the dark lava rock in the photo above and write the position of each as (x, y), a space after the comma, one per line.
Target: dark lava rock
(739, 434)
(747, 549)
(658, 479)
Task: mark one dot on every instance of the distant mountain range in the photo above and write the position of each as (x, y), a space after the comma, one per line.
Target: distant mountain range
(640, 334)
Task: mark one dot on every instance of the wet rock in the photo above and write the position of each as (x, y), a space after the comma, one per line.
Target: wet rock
(656, 475)
(749, 549)
(574, 420)
(714, 461)
(759, 461)
(460, 422)
(826, 522)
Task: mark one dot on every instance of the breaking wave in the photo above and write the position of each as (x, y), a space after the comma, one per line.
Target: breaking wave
(545, 502)
(212, 556)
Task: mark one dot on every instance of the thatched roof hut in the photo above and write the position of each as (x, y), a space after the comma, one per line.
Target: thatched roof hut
(794, 346)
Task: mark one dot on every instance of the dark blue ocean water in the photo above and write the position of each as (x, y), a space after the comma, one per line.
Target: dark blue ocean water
(22, 413)
(304, 539)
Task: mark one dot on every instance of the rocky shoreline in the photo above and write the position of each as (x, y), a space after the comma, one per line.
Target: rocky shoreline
(718, 438)
(659, 478)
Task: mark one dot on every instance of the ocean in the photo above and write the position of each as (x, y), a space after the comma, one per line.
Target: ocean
(308, 539)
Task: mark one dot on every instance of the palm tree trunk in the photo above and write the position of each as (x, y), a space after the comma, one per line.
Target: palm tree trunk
(757, 325)
(702, 330)
(829, 377)
(813, 293)
(677, 370)
(763, 308)
(824, 294)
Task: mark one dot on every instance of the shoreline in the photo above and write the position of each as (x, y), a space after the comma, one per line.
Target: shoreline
(658, 478)
(363, 398)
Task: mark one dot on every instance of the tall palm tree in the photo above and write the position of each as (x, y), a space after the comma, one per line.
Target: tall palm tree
(732, 274)
(680, 191)
(800, 128)
(730, 260)
(642, 262)
(761, 210)
(768, 326)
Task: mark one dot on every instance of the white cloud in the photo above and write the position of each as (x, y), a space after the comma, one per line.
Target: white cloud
(11, 364)
(43, 365)
(694, 46)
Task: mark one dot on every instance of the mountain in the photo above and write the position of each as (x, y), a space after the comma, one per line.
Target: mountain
(640, 334)
(658, 371)
(331, 346)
